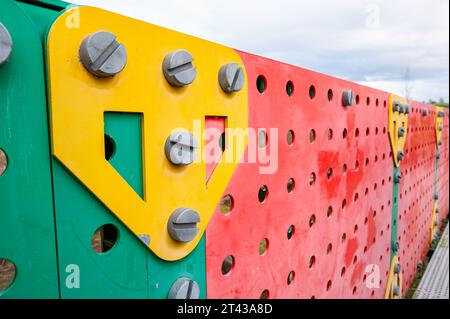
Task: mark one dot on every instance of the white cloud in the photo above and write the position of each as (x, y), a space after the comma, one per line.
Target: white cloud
(369, 41)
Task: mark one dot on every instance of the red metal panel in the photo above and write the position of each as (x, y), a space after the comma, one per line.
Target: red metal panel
(416, 190)
(365, 150)
(443, 170)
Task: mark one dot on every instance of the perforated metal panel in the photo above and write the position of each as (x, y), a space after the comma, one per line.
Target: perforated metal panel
(331, 256)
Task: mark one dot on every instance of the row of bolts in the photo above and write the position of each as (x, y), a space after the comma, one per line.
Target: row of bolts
(103, 56)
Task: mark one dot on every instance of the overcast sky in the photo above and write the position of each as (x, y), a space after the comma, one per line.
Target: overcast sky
(378, 43)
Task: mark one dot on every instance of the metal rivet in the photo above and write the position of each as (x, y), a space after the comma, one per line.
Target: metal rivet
(231, 78)
(397, 177)
(396, 246)
(178, 68)
(180, 148)
(347, 98)
(400, 155)
(145, 239)
(184, 288)
(6, 44)
(397, 268)
(182, 225)
(396, 291)
(102, 55)
(401, 132)
(3, 162)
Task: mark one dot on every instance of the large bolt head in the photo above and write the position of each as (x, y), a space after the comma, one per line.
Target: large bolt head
(3, 162)
(397, 268)
(396, 291)
(180, 148)
(400, 155)
(347, 98)
(396, 246)
(178, 69)
(441, 114)
(182, 225)
(435, 196)
(401, 132)
(407, 109)
(6, 44)
(184, 288)
(231, 78)
(396, 107)
(438, 155)
(397, 177)
(102, 55)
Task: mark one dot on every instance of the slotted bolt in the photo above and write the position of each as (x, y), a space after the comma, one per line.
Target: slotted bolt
(396, 291)
(397, 177)
(184, 288)
(178, 68)
(396, 107)
(6, 44)
(102, 55)
(397, 268)
(401, 132)
(400, 155)
(182, 225)
(3, 162)
(231, 77)
(347, 98)
(180, 148)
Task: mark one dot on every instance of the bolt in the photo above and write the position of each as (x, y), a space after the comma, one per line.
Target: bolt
(396, 291)
(6, 44)
(441, 114)
(401, 108)
(400, 155)
(102, 55)
(145, 239)
(231, 78)
(347, 98)
(436, 196)
(401, 132)
(178, 68)
(424, 112)
(396, 107)
(440, 143)
(184, 288)
(180, 148)
(438, 155)
(407, 110)
(420, 265)
(437, 211)
(182, 225)
(397, 177)
(436, 223)
(396, 246)
(440, 128)
(3, 162)
(397, 268)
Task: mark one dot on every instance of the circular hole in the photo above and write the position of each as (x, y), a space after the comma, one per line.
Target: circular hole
(357, 132)
(329, 248)
(368, 101)
(226, 204)
(290, 232)
(329, 173)
(344, 168)
(354, 290)
(356, 165)
(7, 274)
(355, 259)
(291, 277)
(104, 238)
(330, 95)
(367, 131)
(312, 136)
(261, 84)
(330, 134)
(329, 211)
(344, 237)
(290, 185)
(329, 283)
(110, 147)
(356, 197)
(343, 271)
(312, 261)
(377, 102)
(263, 246)
(262, 139)
(344, 133)
(344, 203)
(357, 99)
(263, 193)
(312, 92)
(312, 220)
(312, 178)
(265, 294)
(228, 264)
(289, 88)
(290, 137)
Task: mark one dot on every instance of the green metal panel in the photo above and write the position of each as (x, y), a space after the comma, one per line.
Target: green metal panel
(394, 212)
(27, 229)
(129, 269)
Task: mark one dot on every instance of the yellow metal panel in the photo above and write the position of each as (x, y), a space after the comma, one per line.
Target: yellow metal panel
(396, 120)
(78, 101)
